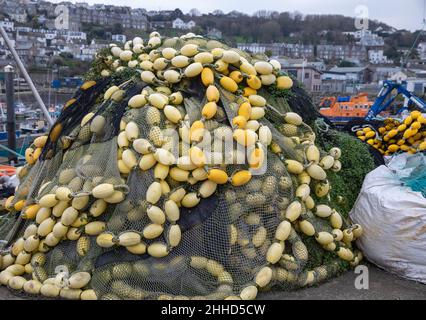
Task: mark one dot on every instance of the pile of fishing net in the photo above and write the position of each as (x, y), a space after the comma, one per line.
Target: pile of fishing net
(181, 169)
(392, 136)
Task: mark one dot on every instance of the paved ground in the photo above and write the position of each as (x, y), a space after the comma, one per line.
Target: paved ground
(382, 286)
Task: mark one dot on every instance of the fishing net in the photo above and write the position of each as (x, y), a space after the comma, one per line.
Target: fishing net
(180, 170)
(416, 180)
(392, 136)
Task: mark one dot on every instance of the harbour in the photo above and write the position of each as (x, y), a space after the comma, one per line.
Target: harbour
(30, 121)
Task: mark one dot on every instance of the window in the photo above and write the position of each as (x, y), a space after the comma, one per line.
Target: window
(306, 75)
(293, 73)
(316, 76)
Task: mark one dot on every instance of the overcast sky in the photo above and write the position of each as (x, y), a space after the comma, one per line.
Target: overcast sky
(402, 14)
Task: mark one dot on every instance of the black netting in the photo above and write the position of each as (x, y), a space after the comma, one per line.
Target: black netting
(142, 194)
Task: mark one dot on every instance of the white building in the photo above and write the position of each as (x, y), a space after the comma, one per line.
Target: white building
(399, 76)
(19, 16)
(385, 73)
(180, 24)
(417, 86)
(366, 38)
(190, 24)
(119, 38)
(7, 25)
(74, 35)
(359, 33)
(377, 57)
(3, 43)
(50, 36)
(253, 47)
(421, 48)
(24, 29)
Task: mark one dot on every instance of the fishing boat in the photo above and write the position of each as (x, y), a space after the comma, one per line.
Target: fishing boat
(342, 109)
(30, 123)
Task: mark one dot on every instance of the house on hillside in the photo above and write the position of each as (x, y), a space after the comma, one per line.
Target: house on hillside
(119, 38)
(342, 52)
(417, 86)
(333, 82)
(214, 33)
(385, 73)
(309, 76)
(20, 15)
(376, 56)
(160, 24)
(355, 74)
(7, 25)
(290, 62)
(421, 49)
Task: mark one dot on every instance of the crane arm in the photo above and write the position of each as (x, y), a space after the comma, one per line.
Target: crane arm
(383, 100)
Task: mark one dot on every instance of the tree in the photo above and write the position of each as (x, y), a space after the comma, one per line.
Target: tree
(269, 31)
(117, 28)
(414, 54)
(393, 54)
(262, 14)
(218, 13)
(66, 55)
(346, 64)
(58, 61)
(177, 13)
(194, 12)
(275, 14)
(268, 53)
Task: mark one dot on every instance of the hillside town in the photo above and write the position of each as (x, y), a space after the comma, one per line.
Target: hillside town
(325, 67)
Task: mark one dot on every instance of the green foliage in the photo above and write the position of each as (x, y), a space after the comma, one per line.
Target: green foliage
(356, 163)
(279, 93)
(97, 65)
(356, 159)
(318, 256)
(66, 55)
(75, 67)
(125, 75)
(117, 28)
(268, 53)
(392, 53)
(344, 64)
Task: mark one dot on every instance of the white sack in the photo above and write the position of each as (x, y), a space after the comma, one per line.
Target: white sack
(394, 220)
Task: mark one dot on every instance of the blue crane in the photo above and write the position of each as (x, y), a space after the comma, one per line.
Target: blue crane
(387, 95)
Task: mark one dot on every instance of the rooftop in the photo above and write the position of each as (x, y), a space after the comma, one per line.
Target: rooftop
(348, 69)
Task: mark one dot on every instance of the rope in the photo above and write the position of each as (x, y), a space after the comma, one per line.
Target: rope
(321, 125)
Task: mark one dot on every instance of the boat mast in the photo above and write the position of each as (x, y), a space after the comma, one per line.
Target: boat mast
(26, 76)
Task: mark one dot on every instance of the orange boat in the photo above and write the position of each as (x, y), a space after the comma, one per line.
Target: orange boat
(6, 170)
(341, 110)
